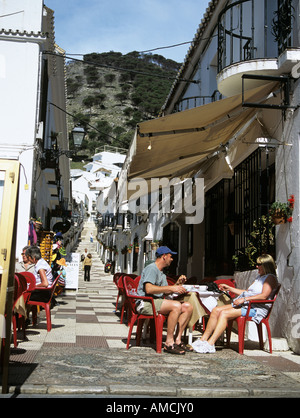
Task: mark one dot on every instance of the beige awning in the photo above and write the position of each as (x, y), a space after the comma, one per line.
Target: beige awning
(174, 145)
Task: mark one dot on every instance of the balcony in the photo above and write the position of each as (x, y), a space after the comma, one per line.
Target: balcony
(195, 101)
(255, 37)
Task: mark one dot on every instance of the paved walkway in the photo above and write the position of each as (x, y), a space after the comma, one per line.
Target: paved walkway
(85, 355)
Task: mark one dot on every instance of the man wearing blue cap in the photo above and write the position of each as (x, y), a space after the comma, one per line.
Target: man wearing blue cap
(154, 283)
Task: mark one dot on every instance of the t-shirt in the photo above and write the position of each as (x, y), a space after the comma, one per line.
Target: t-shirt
(151, 274)
(42, 264)
(20, 267)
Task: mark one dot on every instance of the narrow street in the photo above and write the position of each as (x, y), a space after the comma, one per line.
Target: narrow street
(85, 355)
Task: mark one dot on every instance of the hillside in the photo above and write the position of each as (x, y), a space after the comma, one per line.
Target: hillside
(113, 92)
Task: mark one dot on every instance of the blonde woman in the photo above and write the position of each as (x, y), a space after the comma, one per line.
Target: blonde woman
(262, 288)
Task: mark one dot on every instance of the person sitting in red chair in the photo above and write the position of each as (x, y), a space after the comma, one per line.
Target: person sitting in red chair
(42, 272)
(263, 288)
(154, 283)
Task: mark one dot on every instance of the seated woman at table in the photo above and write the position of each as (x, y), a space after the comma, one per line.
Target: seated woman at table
(262, 288)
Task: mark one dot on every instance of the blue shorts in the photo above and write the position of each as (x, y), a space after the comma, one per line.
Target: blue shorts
(251, 313)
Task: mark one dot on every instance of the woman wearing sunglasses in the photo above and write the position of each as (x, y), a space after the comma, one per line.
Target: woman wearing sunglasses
(262, 288)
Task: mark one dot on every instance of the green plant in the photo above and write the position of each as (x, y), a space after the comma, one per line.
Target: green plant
(262, 240)
(283, 210)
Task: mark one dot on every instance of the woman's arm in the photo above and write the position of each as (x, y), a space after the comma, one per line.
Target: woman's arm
(44, 280)
(269, 284)
(234, 290)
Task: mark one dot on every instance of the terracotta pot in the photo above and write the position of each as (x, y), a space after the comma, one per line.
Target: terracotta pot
(154, 246)
(278, 220)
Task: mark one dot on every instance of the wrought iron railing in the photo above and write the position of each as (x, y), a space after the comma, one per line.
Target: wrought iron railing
(254, 29)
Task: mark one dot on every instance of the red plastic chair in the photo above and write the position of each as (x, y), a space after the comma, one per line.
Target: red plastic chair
(125, 308)
(116, 277)
(241, 322)
(229, 282)
(20, 288)
(46, 305)
(157, 319)
(121, 292)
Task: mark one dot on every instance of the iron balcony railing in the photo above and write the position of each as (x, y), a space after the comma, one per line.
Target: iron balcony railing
(196, 101)
(254, 29)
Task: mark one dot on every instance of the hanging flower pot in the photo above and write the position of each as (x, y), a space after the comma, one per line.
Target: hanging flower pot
(277, 220)
(154, 245)
(38, 225)
(282, 212)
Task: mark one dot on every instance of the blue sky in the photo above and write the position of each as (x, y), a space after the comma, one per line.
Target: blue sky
(126, 25)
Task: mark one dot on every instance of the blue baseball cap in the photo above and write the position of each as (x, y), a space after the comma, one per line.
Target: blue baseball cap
(164, 250)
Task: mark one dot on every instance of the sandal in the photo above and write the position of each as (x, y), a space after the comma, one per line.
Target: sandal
(173, 349)
(185, 347)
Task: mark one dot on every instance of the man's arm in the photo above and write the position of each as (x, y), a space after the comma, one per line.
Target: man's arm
(151, 289)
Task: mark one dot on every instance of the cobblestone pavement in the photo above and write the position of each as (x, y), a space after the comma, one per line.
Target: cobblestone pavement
(85, 355)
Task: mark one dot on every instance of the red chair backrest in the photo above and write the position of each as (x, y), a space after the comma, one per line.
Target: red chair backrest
(130, 286)
(116, 278)
(271, 301)
(19, 288)
(29, 278)
(120, 283)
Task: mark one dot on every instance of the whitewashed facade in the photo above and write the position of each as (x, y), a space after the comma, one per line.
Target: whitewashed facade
(257, 160)
(31, 79)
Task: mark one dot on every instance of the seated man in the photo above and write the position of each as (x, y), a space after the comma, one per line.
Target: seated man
(154, 283)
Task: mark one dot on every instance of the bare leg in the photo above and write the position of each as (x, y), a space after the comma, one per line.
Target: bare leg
(183, 320)
(224, 317)
(213, 320)
(173, 310)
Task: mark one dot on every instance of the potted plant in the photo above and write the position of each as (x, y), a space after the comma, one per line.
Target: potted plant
(154, 244)
(38, 224)
(282, 212)
(129, 248)
(136, 247)
(261, 241)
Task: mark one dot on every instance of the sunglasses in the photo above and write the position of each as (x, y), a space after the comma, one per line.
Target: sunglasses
(259, 264)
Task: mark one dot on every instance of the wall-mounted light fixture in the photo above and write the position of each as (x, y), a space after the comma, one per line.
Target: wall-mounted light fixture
(51, 155)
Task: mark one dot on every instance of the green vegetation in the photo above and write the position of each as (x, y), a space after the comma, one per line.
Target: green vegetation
(114, 92)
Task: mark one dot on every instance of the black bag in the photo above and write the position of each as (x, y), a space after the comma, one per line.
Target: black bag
(212, 287)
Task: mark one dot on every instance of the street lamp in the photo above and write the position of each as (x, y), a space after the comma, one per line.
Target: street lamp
(78, 134)
(50, 156)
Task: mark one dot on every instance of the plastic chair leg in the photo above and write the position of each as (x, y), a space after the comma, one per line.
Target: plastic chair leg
(139, 331)
(48, 317)
(129, 335)
(159, 331)
(241, 333)
(228, 332)
(131, 324)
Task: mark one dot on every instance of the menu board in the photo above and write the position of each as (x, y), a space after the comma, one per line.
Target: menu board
(72, 271)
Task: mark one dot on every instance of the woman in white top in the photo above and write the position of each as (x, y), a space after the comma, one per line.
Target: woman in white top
(42, 270)
(263, 287)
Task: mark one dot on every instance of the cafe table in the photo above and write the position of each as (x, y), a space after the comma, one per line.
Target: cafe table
(203, 302)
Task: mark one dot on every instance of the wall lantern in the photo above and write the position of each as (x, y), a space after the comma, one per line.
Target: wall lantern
(78, 134)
